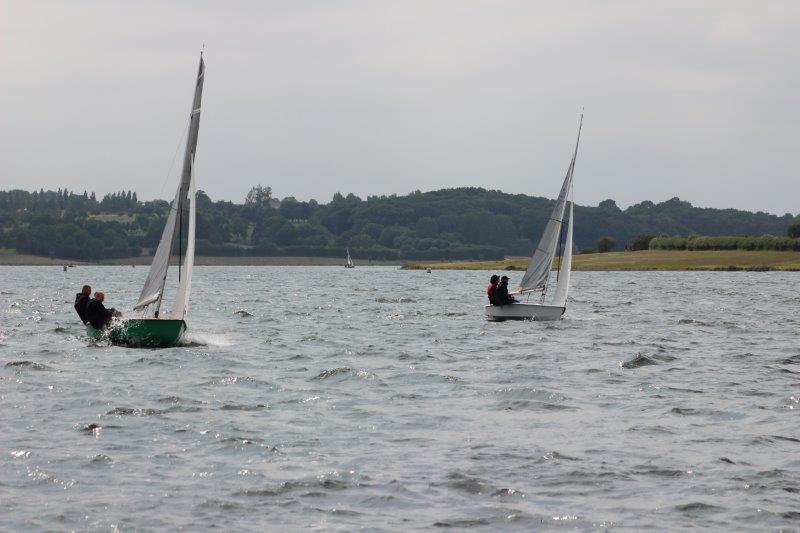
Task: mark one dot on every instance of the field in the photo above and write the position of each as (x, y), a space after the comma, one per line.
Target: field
(645, 260)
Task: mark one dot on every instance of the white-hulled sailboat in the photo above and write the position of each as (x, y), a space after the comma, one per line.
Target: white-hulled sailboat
(536, 279)
(153, 326)
(349, 263)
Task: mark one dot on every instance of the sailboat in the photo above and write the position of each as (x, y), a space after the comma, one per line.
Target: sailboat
(154, 327)
(536, 280)
(349, 263)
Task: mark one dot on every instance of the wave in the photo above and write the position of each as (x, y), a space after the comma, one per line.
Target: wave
(177, 400)
(242, 407)
(32, 365)
(638, 361)
(130, 411)
(697, 507)
(237, 380)
(692, 322)
(323, 482)
(345, 371)
(555, 456)
(200, 338)
(468, 484)
(684, 411)
(649, 470)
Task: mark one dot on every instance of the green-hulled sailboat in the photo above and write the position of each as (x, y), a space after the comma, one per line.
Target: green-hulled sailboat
(154, 327)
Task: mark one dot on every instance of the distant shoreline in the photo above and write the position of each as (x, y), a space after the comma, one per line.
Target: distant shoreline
(648, 260)
(7, 259)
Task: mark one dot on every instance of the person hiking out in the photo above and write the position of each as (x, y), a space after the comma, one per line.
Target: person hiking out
(501, 293)
(97, 314)
(81, 301)
(491, 289)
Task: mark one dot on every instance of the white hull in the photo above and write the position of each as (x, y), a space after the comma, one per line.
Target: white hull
(524, 312)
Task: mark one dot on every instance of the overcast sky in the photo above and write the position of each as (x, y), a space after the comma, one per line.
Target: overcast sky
(692, 99)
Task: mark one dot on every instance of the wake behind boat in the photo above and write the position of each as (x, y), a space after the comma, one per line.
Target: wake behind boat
(155, 328)
(537, 276)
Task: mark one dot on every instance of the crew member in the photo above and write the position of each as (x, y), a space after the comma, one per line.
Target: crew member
(501, 293)
(81, 301)
(491, 289)
(97, 314)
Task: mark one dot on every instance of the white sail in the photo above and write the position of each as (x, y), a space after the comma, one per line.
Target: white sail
(349, 261)
(538, 272)
(154, 284)
(181, 306)
(564, 269)
(153, 290)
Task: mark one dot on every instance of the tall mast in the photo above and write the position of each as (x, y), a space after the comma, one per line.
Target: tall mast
(153, 290)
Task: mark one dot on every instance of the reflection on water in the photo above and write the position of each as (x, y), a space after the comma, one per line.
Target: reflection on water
(373, 397)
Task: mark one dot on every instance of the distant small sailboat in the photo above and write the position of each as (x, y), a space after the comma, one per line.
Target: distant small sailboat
(537, 276)
(349, 263)
(153, 328)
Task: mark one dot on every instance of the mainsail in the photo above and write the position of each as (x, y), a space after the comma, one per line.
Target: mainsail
(153, 290)
(535, 278)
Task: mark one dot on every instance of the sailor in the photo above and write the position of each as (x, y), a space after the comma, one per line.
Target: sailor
(97, 314)
(81, 301)
(491, 289)
(501, 293)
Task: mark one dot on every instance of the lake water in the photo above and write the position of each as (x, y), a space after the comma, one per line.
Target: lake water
(375, 398)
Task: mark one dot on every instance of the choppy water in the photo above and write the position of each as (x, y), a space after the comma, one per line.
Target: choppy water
(380, 399)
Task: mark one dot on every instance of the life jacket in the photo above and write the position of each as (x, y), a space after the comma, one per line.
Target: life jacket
(490, 293)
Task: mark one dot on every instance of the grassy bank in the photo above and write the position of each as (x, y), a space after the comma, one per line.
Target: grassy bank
(645, 260)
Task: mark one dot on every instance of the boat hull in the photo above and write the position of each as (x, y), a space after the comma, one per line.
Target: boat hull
(498, 313)
(141, 332)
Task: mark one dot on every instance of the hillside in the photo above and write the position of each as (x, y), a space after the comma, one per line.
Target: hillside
(448, 224)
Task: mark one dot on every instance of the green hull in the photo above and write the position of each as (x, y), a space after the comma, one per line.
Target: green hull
(141, 332)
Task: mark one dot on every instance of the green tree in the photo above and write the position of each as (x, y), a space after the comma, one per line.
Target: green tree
(259, 196)
(640, 242)
(793, 231)
(606, 244)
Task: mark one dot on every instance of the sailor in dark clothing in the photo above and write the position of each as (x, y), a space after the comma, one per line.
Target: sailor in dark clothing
(501, 293)
(491, 288)
(81, 301)
(97, 314)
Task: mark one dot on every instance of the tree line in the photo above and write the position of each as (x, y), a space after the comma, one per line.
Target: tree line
(447, 224)
(726, 242)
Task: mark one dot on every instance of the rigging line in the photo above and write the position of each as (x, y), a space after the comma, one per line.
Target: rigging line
(174, 156)
(182, 137)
